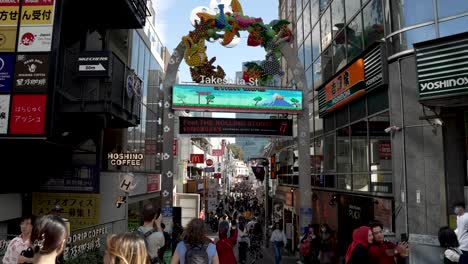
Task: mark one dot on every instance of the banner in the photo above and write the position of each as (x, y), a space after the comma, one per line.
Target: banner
(9, 16)
(235, 127)
(81, 209)
(236, 99)
(153, 183)
(32, 72)
(28, 114)
(7, 62)
(4, 112)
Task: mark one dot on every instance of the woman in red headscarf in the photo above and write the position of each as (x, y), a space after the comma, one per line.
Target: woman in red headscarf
(358, 250)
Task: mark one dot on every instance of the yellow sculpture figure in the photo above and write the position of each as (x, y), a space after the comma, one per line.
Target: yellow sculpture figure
(236, 7)
(195, 54)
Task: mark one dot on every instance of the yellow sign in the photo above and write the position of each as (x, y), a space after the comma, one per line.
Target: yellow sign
(37, 15)
(82, 209)
(7, 39)
(9, 15)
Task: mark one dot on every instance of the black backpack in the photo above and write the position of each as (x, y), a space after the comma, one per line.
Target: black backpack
(145, 236)
(196, 254)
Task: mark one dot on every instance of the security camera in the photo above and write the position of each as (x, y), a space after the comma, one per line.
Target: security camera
(437, 122)
(392, 129)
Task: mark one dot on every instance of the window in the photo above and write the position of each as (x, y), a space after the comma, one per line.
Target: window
(135, 46)
(317, 158)
(341, 117)
(306, 19)
(409, 13)
(339, 52)
(298, 6)
(357, 109)
(373, 22)
(337, 13)
(324, 4)
(380, 153)
(329, 123)
(325, 23)
(329, 153)
(317, 68)
(300, 31)
(316, 41)
(453, 7)
(300, 54)
(377, 101)
(317, 120)
(343, 182)
(309, 78)
(314, 12)
(343, 163)
(405, 40)
(354, 38)
(453, 26)
(307, 51)
(359, 147)
(351, 6)
(361, 182)
(327, 69)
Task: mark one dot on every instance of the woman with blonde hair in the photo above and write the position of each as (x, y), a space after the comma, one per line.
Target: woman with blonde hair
(125, 248)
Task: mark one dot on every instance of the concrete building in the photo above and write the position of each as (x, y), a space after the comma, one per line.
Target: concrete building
(362, 71)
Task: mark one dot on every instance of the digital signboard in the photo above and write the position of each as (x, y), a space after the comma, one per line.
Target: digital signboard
(229, 98)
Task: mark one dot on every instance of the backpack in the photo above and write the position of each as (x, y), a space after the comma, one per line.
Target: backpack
(304, 248)
(145, 238)
(196, 254)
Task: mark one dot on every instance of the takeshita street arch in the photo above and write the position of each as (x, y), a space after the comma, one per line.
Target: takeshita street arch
(283, 47)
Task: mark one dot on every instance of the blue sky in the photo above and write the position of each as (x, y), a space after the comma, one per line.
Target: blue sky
(173, 23)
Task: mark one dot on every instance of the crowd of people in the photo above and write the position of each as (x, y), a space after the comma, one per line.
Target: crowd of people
(43, 240)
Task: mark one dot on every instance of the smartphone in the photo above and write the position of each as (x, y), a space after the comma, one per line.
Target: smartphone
(404, 237)
(158, 213)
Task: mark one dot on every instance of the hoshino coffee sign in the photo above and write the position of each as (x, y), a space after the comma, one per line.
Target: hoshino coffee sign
(125, 159)
(442, 67)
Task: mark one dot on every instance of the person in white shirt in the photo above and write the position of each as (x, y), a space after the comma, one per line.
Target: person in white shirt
(19, 244)
(462, 226)
(279, 240)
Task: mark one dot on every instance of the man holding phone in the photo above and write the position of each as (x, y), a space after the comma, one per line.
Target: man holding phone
(151, 231)
(386, 252)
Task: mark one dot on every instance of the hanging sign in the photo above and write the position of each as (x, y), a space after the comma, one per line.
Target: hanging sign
(32, 72)
(94, 64)
(197, 158)
(28, 114)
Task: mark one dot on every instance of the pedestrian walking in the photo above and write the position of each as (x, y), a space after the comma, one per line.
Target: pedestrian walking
(462, 226)
(256, 241)
(128, 248)
(448, 240)
(19, 249)
(244, 243)
(278, 240)
(195, 248)
(49, 236)
(225, 245)
(358, 250)
(151, 231)
(327, 245)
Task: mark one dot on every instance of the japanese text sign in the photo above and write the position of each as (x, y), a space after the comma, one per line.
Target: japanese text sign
(28, 114)
(154, 182)
(32, 71)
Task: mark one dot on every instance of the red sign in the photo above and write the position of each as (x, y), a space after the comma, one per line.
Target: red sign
(197, 158)
(37, 2)
(153, 183)
(385, 150)
(209, 162)
(217, 152)
(174, 147)
(9, 3)
(28, 114)
(217, 175)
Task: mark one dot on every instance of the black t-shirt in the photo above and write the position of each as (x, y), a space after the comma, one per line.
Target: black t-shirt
(360, 255)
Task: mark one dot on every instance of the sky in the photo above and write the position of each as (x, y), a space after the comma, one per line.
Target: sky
(173, 22)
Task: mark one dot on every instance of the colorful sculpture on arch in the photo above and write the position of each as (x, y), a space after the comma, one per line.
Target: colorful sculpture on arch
(225, 27)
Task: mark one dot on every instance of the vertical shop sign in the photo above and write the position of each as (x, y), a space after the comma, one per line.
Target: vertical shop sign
(6, 71)
(28, 114)
(154, 183)
(9, 16)
(4, 112)
(32, 72)
(37, 18)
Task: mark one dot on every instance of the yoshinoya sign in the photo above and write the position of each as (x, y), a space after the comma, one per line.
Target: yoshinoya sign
(239, 127)
(94, 64)
(360, 77)
(125, 159)
(442, 67)
(232, 98)
(31, 72)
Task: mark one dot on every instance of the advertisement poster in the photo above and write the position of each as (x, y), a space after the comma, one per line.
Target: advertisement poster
(9, 16)
(32, 72)
(154, 183)
(236, 99)
(81, 209)
(4, 112)
(238, 127)
(6, 72)
(35, 39)
(28, 114)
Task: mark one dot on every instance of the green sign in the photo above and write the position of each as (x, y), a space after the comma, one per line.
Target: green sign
(229, 98)
(442, 68)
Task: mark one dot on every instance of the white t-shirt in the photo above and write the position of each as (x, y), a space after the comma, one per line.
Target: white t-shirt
(278, 236)
(155, 241)
(462, 231)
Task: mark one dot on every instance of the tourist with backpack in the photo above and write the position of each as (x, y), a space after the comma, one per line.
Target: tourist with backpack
(196, 247)
(151, 231)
